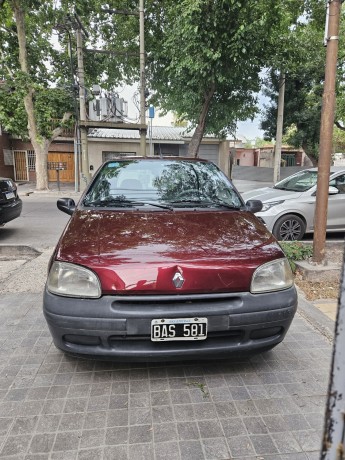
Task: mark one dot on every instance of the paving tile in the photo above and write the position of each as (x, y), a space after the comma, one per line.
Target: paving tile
(140, 451)
(233, 427)
(210, 429)
(140, 434)
(240, 447)
(120, 401)
(90, 454)
(309, 440)
(162, 414)
(117, 435)
(5, 425)
(48, 423)
(286, 442)
(15, 445)
(263, 444)
(23, 425)
(215, 448)
(192, 450)
(164, 432)
(119, 417)
(180, 396)
(204, 411)
(255, 425)
(54, 407)
(226, 409)
(167, 451)
(116, 452)
(159, 398)
(70, 455)
(184, 412)
(188, 431)
(95, 420)
(68, 440)
(41, 443)
(71, 421)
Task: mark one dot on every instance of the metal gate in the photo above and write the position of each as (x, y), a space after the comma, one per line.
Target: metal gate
(289, 160)
(21, 170)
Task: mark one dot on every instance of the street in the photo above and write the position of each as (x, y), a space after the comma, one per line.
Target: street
(40, 216)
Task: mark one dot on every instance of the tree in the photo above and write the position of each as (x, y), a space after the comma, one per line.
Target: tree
(303, 98)
(205, 57)
(27, 105)
(37, 73)
(304, 87)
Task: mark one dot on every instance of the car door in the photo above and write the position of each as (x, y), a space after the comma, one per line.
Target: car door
(336, 204)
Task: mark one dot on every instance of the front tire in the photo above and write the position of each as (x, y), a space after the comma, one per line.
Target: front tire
(289, 228)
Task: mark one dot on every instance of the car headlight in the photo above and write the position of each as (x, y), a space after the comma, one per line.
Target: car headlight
(270, 204)
(272, 276)
(71, 280)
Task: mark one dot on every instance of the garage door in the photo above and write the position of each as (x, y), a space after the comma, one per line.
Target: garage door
(67, 160)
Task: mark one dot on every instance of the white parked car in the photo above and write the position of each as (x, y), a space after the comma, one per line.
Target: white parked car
(289, 206)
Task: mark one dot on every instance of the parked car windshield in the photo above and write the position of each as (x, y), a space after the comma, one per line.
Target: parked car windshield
(170, 182)
(300, 182)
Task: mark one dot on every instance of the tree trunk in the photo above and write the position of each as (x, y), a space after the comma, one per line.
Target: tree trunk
(40, 145)
(41, 151)
(193, 148)
(310, 155)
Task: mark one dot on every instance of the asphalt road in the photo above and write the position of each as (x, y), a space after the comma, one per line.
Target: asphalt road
(39, 226)
(41, 223)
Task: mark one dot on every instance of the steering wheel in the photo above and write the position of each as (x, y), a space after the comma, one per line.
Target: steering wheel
(188, 193)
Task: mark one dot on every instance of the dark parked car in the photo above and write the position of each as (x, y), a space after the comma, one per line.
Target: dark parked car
(10, 203)
(162, 260)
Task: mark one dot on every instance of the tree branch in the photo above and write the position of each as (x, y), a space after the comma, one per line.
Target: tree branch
(57, 131)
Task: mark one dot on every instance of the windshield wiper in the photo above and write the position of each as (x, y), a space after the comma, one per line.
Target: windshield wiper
(123, 202)
(206, 203)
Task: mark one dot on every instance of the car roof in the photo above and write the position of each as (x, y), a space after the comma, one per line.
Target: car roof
(333, 169)
(158, 158)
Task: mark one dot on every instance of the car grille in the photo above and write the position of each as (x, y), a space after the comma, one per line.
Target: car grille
(232, 335)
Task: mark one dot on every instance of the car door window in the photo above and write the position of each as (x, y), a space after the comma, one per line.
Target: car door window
(339, 183)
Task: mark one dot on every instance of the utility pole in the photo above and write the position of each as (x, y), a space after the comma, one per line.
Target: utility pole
(326, 130)
(85, 173)
(142, 80)
(279, 132)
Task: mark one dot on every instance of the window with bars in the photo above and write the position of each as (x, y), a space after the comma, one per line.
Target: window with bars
(31, 160)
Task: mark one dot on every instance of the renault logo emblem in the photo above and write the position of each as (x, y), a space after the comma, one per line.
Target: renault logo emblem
(178, 280)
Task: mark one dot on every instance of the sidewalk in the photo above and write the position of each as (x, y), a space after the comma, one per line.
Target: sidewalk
(55, 189)
(54, 406)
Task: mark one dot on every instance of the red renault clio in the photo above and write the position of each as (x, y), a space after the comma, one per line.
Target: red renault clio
(162, 260)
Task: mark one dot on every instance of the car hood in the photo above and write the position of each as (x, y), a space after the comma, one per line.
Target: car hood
(142, 251)
(270, 194)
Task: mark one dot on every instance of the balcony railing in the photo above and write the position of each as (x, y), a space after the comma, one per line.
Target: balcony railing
(66, 132)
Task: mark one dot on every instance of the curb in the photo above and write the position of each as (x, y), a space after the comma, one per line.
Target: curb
(315, 317)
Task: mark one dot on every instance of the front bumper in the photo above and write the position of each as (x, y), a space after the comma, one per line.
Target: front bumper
(119, 327)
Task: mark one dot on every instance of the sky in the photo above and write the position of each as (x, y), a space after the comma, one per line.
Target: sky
(246, 130)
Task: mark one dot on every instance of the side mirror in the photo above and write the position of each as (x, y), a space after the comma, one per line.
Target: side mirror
(66, 205)
(254, 206)
(332, 190)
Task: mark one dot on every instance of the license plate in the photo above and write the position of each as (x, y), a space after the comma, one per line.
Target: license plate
(178, 329)
(9, 195)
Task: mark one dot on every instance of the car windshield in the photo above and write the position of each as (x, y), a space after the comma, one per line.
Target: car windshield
(300, 182)
(161, 183)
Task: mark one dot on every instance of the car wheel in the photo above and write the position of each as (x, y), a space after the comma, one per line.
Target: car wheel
(289, 228)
